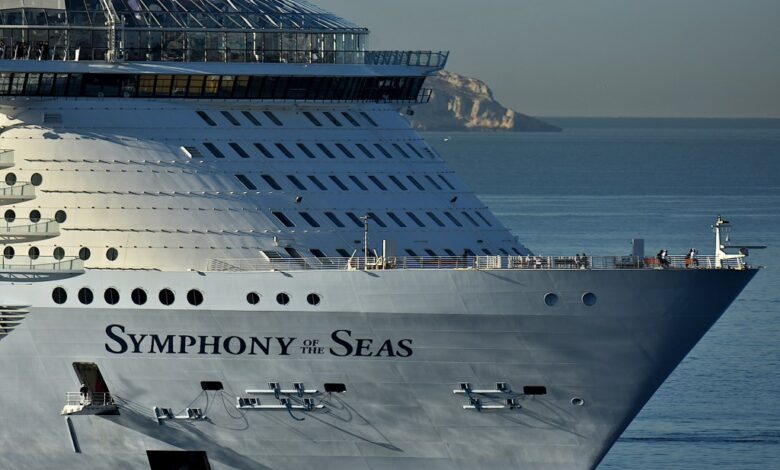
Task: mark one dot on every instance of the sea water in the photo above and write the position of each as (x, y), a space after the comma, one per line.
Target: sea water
(601, 183)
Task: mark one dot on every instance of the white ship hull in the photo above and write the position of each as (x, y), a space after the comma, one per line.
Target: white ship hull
(423, 332)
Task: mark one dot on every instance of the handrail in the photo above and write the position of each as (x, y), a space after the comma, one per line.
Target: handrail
(65, 264)
(463, 262)
(89, 398)
(21, 188)
(43, 226)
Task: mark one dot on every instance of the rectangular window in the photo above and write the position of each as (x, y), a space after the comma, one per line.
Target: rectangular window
(433, 182)
(251, 118)
(230, 118)
(264, 150)
(430, 252)
(355, 219)
(365, 151)
(414, 149)
(396, 219)
(214, 150)
(453, 219)
(410, 252)
(375, 218)
(283, 219)
(338, 182)
(312, 118)
(368, 118)
(435, 219)
(332, 119)
(449, 252)
(397, 182)
(324, 148)
(483, 219)
(429, 151)
(206, 118)
(246, 182)
(415, 182)
(296, 182)
(516, 251)
(292, 252)
(344, 253)
(336, 221)
(350, 119)
(487, 252)
(318, 183)
(318, 253)
(309, 219)
(470, 219)
(415, 219)
(273, 118)
(240, 151)
(401, 151)
(383, 150)
(306, 150)
(285, 150)
(345, 150)
(446, 182)
(271, 182)
(358, 183)
(378, 183)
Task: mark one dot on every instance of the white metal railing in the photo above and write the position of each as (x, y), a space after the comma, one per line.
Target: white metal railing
(41, 227)
(463, 262)
(25, 264)
(21, 189)
(6, 158)
(88, 399)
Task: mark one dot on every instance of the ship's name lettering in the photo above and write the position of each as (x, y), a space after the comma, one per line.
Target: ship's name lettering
(342, 344)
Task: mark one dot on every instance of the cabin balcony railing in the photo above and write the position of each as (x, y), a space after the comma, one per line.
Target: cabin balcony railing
(6, 159)
(20, 263)
(465, 262)
(19, 192)
(10, 232)
(88, 399)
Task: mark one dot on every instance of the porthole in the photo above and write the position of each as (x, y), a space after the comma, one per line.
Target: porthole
(59, 252)
(59, 296)
(111, 296)
(10, 179)
(282, 298)
(194, 297)
(313, 299)
(85, 295)
(34, 252)
(35, 216)
(10, 216)
(253, 298)
(138, 296)
(9, 252)
(166, 297)
(60, 216)
(84, 253)
(112, 254)
(589, 299)
(550, 299)
(577, 401)
(36, 179)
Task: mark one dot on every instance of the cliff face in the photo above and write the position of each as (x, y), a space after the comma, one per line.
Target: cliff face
(461, 103)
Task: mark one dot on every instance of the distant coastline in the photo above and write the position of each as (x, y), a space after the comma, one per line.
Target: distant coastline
(662, 123)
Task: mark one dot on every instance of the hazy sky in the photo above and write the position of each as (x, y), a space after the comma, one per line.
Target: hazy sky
(686, 58)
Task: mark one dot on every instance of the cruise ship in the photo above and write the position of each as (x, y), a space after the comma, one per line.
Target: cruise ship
(224, 247)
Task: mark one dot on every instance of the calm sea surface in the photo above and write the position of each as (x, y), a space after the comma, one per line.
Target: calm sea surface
(603, 182)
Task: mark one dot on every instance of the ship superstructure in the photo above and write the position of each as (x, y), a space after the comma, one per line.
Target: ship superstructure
(225, 247)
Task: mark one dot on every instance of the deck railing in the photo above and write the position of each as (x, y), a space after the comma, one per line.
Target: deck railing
(89, 398)
(19, 263)
(464, 262)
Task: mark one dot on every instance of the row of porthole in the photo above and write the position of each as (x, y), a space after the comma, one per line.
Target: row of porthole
(166, 297)
(588, 298)
(35, 216)
(35, 179)
(59, 253)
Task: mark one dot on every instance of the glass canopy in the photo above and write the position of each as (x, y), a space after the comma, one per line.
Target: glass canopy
(178, 30)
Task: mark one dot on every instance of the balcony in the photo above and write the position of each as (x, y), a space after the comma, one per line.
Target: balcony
(6, 159)
(89, 403)
(23, 264)
(17, 193)
(28, 232)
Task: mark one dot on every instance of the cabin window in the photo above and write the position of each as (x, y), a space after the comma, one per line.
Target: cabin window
(324, 148)
(295, 181)
(470, 218)
(483, 219)
(433, 182)
(375, 218)
(415, 219)
(309, 219)
(312, 118)
(273, 118)
(138, 296)
(414, 149)
(355, 219)
(253, 298)
(368, 118)
(397, 182)
(358, 183)
(306, 150)
(246, 182)
(59, 295)
(350, 119)
(435, 219)
(85, 295)
(251, 118)
(239, 150)
(195, 297)
(345, 150)
(285, 150)
(8, 252)
(84, 253)
(446, 182)
(338, 182)
(214, 150)
(383, 150)
(453, 219)
(271, 182)
(332, 119)
(313, 299)
(318, 183)
(166, 297)
(344, 253)
(283, 298)
(401, 151)
(262, 148)
(206, 118)
(112, 254)
(333, 218)
(415, 182)
(365, 151)
(111, 296)
(230, 118)
(283, 219)
(377, 183)
(396, 219)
